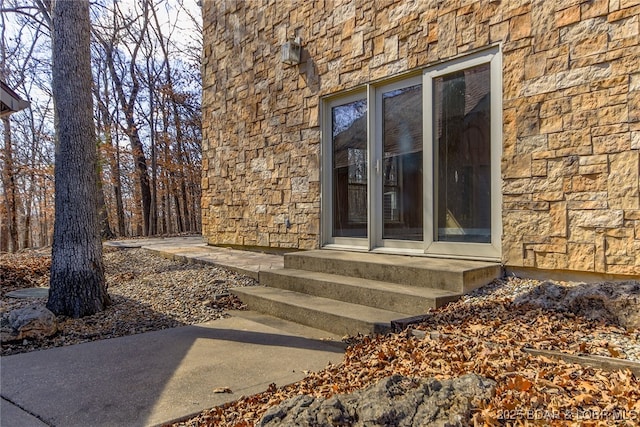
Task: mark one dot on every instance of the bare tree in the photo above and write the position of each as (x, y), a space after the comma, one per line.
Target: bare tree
(128, 102)
(106, 123)
(28, 143)
(77, 284)
(8, 175)
(147, 118)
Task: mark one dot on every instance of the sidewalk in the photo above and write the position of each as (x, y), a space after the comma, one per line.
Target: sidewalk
(156, 377)
(194, 249)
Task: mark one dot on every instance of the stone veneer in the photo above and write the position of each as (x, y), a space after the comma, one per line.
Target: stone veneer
(571, 113)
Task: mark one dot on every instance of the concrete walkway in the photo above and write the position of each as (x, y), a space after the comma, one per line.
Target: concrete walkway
(194, 249)
(156, 377)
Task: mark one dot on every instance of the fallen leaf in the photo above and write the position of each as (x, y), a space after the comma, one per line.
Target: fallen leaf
(588, 386)
(519, 383)
(477, 328)
(584, 398)
(613, 352)
(550, 384)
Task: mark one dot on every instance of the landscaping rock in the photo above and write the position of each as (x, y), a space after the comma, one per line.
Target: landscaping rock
(616, 303)
(394, 401)
(31, 322)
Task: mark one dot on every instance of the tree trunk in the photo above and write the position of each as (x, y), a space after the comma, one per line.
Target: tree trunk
(26, 236)
(105, 227)
(44, 217)
(113, 157)
(181, 164)
(4, 230)
(117, 190)
(166, 204)
(141, 169)
(9, 184)
(77, 281)
(29, 199)
(153, 215)
(128, 108)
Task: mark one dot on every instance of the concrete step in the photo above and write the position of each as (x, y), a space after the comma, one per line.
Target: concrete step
(410, 300)
(458, 276)
(323, 313)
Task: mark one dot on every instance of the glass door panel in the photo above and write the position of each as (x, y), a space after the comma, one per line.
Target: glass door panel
(462, 151)
(349, 169)
(402, 195)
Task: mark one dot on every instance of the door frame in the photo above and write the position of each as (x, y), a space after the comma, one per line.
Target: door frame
(492, 250)
(378, 242)
(326, 172)
(372, 93)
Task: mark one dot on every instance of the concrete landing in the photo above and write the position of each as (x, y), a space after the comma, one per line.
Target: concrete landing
(194, 249)
(455, 275)
(156, 377)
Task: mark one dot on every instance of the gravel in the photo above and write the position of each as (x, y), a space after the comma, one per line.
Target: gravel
(148, 293)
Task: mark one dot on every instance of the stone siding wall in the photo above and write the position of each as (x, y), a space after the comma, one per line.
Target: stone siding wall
(571, 112)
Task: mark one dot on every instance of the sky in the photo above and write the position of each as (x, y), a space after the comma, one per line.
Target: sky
(172, 14)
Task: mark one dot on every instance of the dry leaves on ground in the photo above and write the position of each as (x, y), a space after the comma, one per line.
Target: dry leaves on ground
(148, 293)
(485, 336)
(529, 388)
(23, 270)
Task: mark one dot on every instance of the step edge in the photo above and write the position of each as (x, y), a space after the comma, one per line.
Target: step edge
(402, 288)
(315, 308)
(335, 323)
(401, 260)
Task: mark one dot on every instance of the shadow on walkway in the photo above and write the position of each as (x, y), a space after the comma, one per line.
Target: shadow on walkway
(155, 377)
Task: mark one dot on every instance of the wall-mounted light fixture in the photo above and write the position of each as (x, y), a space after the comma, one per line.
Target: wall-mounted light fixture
(291, 51)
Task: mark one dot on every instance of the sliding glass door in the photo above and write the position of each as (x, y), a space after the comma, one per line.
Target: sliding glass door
(413, 165)
(463, 139)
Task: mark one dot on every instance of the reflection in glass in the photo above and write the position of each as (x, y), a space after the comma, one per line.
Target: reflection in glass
(349, 163)
(402, 164)
(462, 153)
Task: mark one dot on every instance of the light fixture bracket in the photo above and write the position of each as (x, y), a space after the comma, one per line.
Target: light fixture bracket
(291, 51)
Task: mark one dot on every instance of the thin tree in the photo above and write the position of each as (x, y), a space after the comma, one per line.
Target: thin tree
(181, 200)
(77, 281)
(127, 103)
(8, 172)
(23, 67)
(106, 123)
